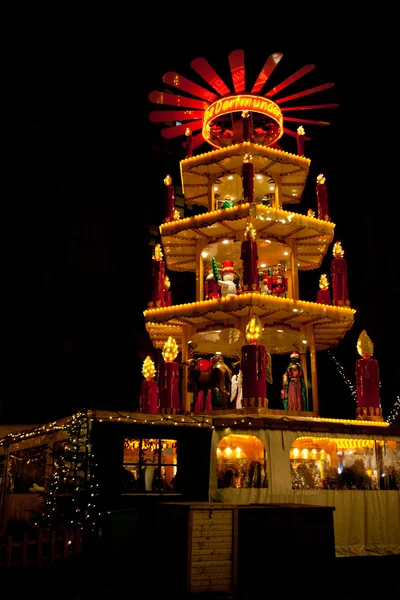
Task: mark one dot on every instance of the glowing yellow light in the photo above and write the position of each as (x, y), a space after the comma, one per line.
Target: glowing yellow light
(337, 250)
(188, 131)
(250, 232)
(323, 282)
(321, 179)
(157, 252)
(245, 114)
(168, 180)
(300, 130)
(254, 330)
(365, 346)
(148, 369)
(167, 283)
(228, 451)
(310, 213)
(247, 158)
(295, 452)
(170, 350)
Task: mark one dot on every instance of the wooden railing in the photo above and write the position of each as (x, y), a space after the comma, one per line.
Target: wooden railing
(46, 549)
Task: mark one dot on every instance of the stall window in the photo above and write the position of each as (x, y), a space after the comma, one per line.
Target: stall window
(241, 462)
(150, 465)
(345, 464)
(27, 470)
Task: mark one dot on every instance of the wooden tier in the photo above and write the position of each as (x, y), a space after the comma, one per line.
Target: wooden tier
(311, 236)
(329, 323)
(288, 171)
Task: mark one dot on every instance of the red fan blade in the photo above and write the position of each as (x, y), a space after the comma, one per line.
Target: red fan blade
(313, 90)
(172, 100)
(309, 121)
(309, 107)
(266, 71)
(294, 134)
(160, 116)
(176, 130)
(300, 73)
(205, 70)
(236, 62)
(186, 85)
(198, 140)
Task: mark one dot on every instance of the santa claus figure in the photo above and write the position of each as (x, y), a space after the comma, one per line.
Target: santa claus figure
(277, 282)
(228, 286)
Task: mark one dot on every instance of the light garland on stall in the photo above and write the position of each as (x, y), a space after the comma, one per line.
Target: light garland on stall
(394, 413)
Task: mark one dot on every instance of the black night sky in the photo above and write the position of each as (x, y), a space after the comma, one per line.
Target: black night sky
(87, 169)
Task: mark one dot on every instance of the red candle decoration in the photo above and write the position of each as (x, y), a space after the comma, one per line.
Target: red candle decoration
(169, 378)
(322, 198)
(169, 199)
(249, 257)
(339, 277)
(323, 294)
(300, 141)
(149, 388)
(367, 380)
(246, 125)
(248, 179)
(189, 142)
(158, 281)
(254, 366)
(167, 292)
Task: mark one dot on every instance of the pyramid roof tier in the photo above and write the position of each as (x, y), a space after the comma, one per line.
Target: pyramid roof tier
(275, 229)
(230, 315)
(203, 170)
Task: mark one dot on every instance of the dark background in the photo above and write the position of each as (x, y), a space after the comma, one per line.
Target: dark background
(86, 170)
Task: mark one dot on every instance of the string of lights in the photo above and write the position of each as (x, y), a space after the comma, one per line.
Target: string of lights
(342, 373)
(394, 413)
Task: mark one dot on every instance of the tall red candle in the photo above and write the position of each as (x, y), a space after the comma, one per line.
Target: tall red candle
(249, 257)
(169, 387)
(254, 369)
(158, 280)
(149, 396)
(189, 142)
(169, 199)
(323, 294)
(149, 388)
(367, 380)
(167, 292)
(339, 277)
(248, 179)
(300, 141)
(322, 198)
